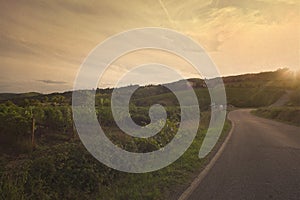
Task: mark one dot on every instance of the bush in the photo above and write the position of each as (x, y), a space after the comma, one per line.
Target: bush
(285, 114)
(15, 127)
(295, 98)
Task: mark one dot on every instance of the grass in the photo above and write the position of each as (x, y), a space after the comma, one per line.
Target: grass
(290, 115)
(238, 97)
(253, 97)
(68, 171)
(295, 98)
(61, 168)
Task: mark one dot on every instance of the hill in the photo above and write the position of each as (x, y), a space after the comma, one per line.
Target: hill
(247, 90)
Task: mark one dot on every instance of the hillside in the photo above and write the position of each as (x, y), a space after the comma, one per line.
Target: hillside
(247, 90)
(41, 154)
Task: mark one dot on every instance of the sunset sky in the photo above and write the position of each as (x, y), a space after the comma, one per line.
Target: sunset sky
(43, 43)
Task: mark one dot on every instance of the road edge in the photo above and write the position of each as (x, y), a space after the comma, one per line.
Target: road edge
(187, 193)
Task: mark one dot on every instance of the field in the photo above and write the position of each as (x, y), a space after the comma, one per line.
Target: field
(43, 158)
(59, 167)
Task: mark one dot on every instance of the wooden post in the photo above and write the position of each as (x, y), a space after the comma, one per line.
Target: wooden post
(32, 133)
(73, 131)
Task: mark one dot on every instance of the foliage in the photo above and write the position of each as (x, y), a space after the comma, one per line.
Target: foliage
(14, 128)
(16, 124)
(68, 171)
(285, 114)
(65, 171)
(295, 97)
(61, 168)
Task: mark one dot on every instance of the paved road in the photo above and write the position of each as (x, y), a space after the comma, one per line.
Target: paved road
(260, 161)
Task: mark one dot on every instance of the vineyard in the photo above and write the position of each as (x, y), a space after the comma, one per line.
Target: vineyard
(42, 156)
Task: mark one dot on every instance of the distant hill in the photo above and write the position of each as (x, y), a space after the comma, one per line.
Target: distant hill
(247, 90)
(11, 96)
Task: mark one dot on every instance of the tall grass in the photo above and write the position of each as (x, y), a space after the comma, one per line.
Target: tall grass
(284, 114)
(68, 171)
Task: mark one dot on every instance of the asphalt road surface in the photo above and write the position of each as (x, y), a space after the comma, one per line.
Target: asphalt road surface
(260, 161)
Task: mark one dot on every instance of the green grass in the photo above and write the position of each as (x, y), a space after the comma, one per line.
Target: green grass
(61, 168)
(68, 171)
(285, 114)
(238, 97)
(295, 97)
(253, 97)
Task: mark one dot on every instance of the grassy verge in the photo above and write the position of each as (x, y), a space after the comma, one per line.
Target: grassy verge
(290, 115)
(68, 171)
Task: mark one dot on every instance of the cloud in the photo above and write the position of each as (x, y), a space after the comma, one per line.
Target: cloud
(52, 82)
(48, 40)
(166, 11)
(292, 2)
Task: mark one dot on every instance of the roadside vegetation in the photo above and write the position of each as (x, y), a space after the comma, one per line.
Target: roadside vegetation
(41, 156)
(295, 98)
(57, 166)
(290, 111)
(286, 114)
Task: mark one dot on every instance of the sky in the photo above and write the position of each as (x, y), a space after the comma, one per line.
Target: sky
(43, 43)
